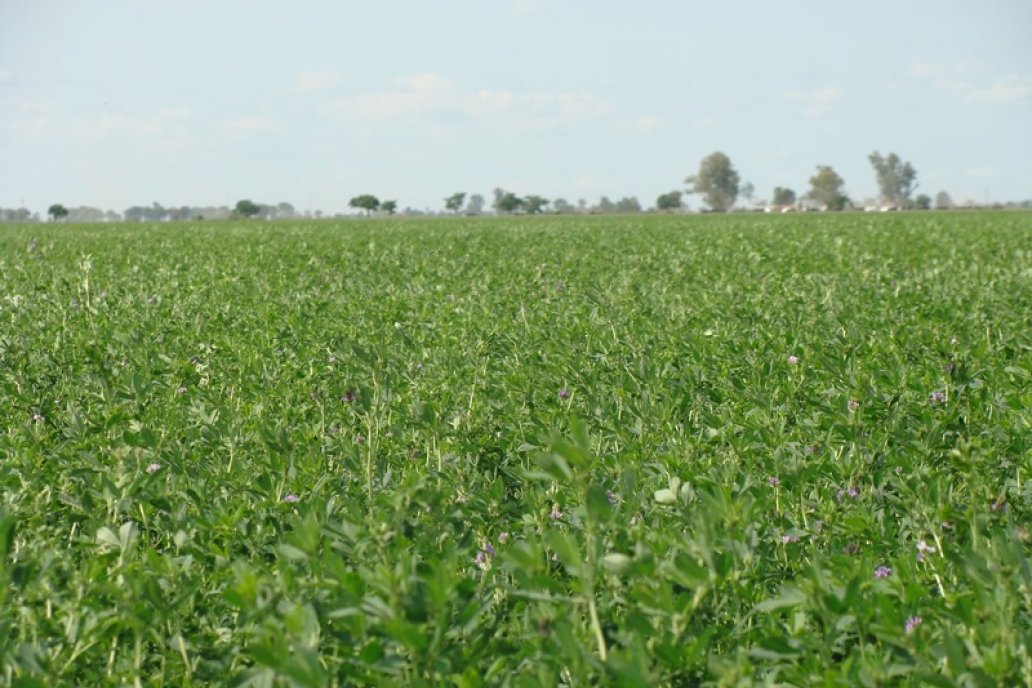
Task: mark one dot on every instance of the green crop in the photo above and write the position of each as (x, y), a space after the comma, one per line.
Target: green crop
(642, 451)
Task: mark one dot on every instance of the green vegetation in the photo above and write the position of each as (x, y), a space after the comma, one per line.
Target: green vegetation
(660, 450)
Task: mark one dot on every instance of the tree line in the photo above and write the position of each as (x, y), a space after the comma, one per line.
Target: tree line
(716, 181)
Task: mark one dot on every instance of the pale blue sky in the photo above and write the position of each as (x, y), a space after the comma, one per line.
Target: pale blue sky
(114, 103)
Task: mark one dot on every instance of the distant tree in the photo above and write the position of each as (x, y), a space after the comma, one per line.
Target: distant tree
(534, 204)
(389, 207)
(943, 201)
(747, 191)
(717, 181)
(604, 206)
(896, 179)
(285, 211)
(508, 203)
(57, 212)
(923, 202)
(475, 206)
(562, 207)
(826, 189)
(367, 202)
(455, 201)
(628, 205)
(498, 194)
(669, 201)
(783, 196)
(246, 208)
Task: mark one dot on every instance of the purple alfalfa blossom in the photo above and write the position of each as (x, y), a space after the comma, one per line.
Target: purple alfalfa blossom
(793, 359)
(850, 492)
(488, 548)
(789, 538)
(853, 405)
(555, 514)
(359, 439)
(481, 558)
(948, 368)
(999, 505)
(882, 572)
(937, 397)
(774, 481)
(180, 390)
(503, 537)
(611, 496)
(912, 623)
(923, 549)
(291, 499)
(153, 468)
(564, 393)
(349, 397)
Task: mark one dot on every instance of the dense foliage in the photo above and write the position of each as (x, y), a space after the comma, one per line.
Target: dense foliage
(668, 450)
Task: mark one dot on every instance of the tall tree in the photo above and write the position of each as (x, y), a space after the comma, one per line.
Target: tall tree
(717, 181)
(508, 203)
(57, 212)
(246, 208)
(923, 202)
(475, 206)
(535, 204)
(826, 189)
(783, 196)
(455, 201)
(896, 179)
(628, 205)
(389, 207)
(669, 201)
(367, 202)
(562, 206)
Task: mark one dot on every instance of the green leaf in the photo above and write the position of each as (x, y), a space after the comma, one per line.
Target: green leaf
(789, 597)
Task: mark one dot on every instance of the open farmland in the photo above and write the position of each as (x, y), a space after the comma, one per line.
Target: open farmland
(734, 450)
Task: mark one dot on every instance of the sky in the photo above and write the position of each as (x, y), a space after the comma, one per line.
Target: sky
(113, 103)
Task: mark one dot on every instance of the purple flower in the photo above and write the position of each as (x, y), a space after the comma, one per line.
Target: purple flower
(912, 623)
(181, 390)
(774, 481)
(611, 497)
(564, 393)
(291, 499)
(488, 548)
(850, 492)
(853, 405)
(999, 505)
(788, 538)
(154, 468)
(349, 396)
(556, 514)
(503, 537)
(480, 559)
(882, 572)
(359, 439)
(793, 359)
(948, 368)
(937, 397)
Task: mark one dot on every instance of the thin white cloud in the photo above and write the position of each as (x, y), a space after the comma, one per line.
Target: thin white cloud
(416, 95)
(815, 103)
(526, 8)
(431, 95)
(646, 122)
(971, 84)
(983, 172)
(250, 126)
(315, 82)
(1006, 89)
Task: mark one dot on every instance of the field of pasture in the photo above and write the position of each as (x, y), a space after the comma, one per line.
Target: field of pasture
(631, 451)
